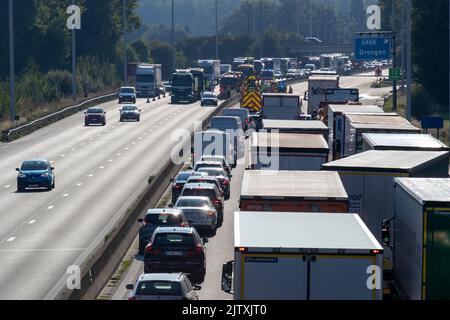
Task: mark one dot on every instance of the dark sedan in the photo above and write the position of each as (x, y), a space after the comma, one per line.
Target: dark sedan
(95, 116)
(130, 113)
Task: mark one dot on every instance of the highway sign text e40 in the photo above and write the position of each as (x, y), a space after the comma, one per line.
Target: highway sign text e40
(372, 48)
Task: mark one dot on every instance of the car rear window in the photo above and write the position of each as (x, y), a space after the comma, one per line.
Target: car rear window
(192, 203)
(182, 177)
(223, 124)
(174, 239)
(206, 165)
(158, 288)
(212, 171)
(34, 165)
(94, 110)
(199, 193)
(163, 219)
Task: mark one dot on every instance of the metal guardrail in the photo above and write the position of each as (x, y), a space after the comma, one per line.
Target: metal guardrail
(98, 261)
(39, 123)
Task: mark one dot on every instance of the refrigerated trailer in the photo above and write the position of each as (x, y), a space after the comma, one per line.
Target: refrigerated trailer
(293, 191)
(368, 178)
(317, 88)
(303, 256)
(422, 238)
(296, 126)
(394, 141)
(287, 151)
(357, 124)
(336, 124)
(280, 106)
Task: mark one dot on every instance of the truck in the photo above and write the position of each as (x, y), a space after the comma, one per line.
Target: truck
(404, 141)
(422, 230)
(330, 60)
(292, 191)
(183, 87)
(296, 126)
(336, 124)
(341, 95)
(281, 106)
(287, 151)
(211, 69)
(230, 84)
(286, 256)
(368, 178)
(148, 80)
(317, 86)
(225, 68)
(357, 124)
(272, 64)
(213, 143)
(199, 81)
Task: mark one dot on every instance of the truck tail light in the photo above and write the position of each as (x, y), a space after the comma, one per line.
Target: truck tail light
(376, 251)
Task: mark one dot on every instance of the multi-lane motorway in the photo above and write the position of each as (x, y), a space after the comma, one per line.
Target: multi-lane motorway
(220, 247)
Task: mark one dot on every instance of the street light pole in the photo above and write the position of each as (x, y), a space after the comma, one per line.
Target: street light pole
(12, 95)
(173, 36)
(408, 59)
(310, 18)
(125, 58)
(217, 32)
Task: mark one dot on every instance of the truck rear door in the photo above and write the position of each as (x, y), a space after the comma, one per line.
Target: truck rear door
(273, 277)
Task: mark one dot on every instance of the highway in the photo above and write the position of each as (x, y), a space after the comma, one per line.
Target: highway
(220, 248)
(99, 171)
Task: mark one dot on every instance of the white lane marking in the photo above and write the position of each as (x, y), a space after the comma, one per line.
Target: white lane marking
(7, 186)
(126, 148)
(31, 221)
(110, 160)
(133, 142)
(79, 184)
(82, 144)
(119, 154)
(50, 207)
(101, 167)
(91, 175)
(39, 250)
(140, 138)
(63, 155)
(65, 195)
(11, 239)
(74, 149)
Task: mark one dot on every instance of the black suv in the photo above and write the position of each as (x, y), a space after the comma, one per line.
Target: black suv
(176, 250)
(159, 218)
(206, 190)
(95, 115)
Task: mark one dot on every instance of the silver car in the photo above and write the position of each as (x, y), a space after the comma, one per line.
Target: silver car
(200, 211)
(163, 286)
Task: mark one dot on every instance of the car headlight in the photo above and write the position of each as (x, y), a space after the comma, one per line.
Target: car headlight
(21, 175)
(45, 175)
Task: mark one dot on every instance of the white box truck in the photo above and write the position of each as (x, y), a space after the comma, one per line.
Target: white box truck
(293, 191)
(296, 126)
(148, 80)
(317, 89)
(357, 124)
(336, 124)
(421, 238)
(303, 256)
(211, 69)
(213, 143)
(368, 178)
(287, 151)
(404, 141)
(281, 106)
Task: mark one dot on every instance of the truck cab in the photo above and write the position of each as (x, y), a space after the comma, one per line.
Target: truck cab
(149, 80)
(183, 87)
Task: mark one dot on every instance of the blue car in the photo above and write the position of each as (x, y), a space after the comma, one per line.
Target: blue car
(37, 173)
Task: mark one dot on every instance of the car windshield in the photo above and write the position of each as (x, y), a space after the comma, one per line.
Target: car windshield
(95, 110)
(127, 90)
(174, 239)
(158, 288)
(34, 165)
(163, 219)
(129, 108)
(192, 203)
(212, 171)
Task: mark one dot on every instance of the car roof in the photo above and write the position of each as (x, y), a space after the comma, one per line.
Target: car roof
(164, 210)
(193, 198)
(161, 277)
(199, 185)
(207, 162)
(226, 117)
(185, 230)
(202, 177)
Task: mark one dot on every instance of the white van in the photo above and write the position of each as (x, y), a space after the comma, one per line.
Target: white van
(213, 143)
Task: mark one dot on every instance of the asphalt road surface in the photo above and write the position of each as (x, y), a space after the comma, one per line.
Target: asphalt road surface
(220, 248)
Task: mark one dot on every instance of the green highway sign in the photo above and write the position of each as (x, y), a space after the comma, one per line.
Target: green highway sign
(395, 74)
